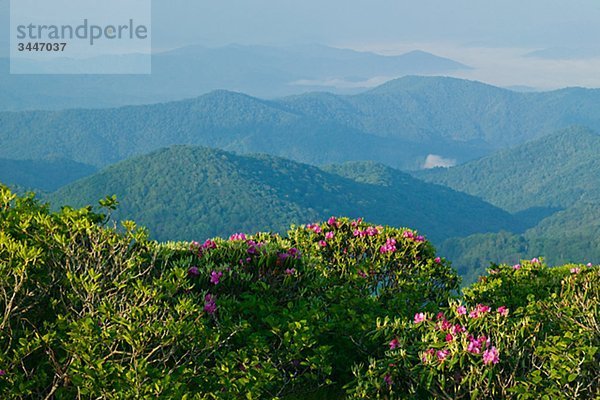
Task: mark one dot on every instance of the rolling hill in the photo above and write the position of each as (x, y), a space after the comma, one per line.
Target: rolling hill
(555, 171)
(185, 193)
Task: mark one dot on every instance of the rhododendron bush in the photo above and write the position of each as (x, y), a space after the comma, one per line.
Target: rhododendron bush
(93, 311)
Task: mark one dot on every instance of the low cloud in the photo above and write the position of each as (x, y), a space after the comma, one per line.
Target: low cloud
(433, 161)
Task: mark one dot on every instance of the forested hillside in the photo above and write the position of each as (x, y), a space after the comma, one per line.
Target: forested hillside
(184, 192)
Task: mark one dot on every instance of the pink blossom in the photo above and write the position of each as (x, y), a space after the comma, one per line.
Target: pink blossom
(440, 315)
(474, 346)
(290, 271)
(388, 247)
(210, 306)
(535, 260)
(372, 231)
(426, 355)
(502, 310)
(419, 317)
(590, 265)
(420, 239)
(461, 310)
(388, 379)
(491, 356)
(437, 260)
(237, 236)
(294, 252)
(442, 354)
(575, 270)
(445, 325)
(517, 266)
(215, 277)
(332, 222)
(322, 243)
(449, 337)
(394, 343)
(456, 329)
(193, 271)
(408, 235)
(329, 235)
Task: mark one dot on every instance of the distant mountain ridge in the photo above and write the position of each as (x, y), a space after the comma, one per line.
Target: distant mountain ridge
(399, 124)
(195, 70)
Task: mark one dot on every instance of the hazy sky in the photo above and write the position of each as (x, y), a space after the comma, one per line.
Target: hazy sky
(492, 36)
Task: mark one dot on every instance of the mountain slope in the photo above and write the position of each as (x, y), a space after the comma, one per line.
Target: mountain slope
(190, 193)
(555, 171)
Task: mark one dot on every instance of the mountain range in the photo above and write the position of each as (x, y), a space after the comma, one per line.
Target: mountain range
(526, 184)
(401, 123)
(191, 71)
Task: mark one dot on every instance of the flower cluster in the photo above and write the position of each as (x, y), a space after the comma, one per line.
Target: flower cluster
(200, 249)
(389, 246)
(410, 235)
(455, 332)
(210, 305)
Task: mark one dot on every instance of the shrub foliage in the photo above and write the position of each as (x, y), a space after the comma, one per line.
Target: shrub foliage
(90, 310)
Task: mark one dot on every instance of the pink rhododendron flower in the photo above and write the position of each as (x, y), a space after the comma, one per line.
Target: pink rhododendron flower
(294, 252)
(474, 346)
(332, 222)
(502, 310)
(408, 235)
(237, 236)
(419, 317)
(461, 310)
(575, 270)
(210, 306)
(215, 277)
(456, 329)
(388, 379)
(290, 271)
(394, 343)
(590, 265)
(437, 260)
(449, 337)
(420, 239)
(193, 271)
(442, 354)
(491, 356)
(372, 231)
(440, 315)
(322, 243)
(517, 266)
(535, 260)
(388, 247)
(329, 235)
(426, 355)
(445, 325)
